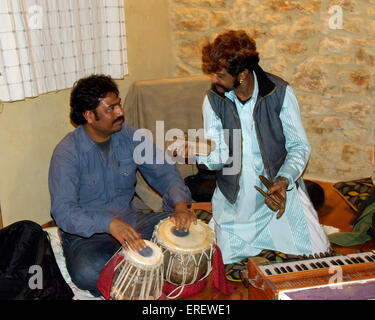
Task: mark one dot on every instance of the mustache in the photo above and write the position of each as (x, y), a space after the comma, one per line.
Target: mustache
(220, 86)
(215, 86)
(119, 119)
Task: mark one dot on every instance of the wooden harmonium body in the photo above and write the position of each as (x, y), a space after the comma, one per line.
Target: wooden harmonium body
(266, 281)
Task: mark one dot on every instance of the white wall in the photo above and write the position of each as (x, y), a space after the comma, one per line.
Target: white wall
(29, 130)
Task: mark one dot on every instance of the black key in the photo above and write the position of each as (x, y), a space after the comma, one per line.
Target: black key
(283, 270)
(354, 260)
(298, 267)
(340, 262)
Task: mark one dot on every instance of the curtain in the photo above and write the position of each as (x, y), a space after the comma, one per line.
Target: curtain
(46, 45)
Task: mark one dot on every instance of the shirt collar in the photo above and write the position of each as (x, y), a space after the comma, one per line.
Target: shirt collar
(86, 143)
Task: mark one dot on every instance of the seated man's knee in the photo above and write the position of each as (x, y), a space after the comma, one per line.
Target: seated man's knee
(84, 275)
(85, 270)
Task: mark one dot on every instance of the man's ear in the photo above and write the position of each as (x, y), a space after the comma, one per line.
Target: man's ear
(244, 73)
(89, 116)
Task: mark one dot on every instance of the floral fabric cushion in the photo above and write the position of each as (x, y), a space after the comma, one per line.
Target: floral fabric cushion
(355, 192)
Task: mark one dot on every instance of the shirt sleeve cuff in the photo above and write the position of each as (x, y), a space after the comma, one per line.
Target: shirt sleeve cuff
(289, 177)
(174, 195)
(207, 161)
(104, 222)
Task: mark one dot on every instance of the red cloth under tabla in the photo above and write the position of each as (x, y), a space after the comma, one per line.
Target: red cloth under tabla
(218, 280)
(104, 283)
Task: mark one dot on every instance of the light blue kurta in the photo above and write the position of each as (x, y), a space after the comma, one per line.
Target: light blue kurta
(248, 226)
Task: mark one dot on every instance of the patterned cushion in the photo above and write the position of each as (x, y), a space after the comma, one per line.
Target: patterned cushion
(355, 192)
(55, 241)
(202, 214)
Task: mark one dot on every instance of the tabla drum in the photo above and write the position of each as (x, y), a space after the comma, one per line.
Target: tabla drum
(187, 256)
(139, 275)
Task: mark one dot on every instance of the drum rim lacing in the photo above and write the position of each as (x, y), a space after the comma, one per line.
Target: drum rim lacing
(180, 286)
(135, 272)
(185, 263)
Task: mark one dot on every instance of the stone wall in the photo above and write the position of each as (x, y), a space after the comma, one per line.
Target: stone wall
(323, 48)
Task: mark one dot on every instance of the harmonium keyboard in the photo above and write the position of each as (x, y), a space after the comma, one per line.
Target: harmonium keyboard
(266, 281)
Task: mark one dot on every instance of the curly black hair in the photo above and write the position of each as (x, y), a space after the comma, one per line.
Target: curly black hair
(233, 50)
(86, 93)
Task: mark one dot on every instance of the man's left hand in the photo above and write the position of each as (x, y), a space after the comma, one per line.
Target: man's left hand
(278, 187)
(183, 217)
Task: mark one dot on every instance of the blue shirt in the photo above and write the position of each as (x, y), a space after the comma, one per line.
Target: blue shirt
(87, 192)
(248, 226)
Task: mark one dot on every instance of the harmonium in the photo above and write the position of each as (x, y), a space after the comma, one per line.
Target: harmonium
(313, 278)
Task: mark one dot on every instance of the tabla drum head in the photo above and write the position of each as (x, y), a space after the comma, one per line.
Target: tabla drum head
(152, 255)
(199, 236)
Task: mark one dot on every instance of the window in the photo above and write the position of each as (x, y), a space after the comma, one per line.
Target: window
(46, 45)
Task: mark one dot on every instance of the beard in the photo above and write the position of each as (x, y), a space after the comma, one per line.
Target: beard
(236, 83)
(221, 90)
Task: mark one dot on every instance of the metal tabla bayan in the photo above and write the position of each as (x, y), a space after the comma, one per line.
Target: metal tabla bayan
(139, 275)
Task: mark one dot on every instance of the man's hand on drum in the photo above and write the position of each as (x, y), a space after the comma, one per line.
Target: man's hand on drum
(182, 216)
(126, 235)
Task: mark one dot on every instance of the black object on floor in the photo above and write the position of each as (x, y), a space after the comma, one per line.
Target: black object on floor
(316, 194)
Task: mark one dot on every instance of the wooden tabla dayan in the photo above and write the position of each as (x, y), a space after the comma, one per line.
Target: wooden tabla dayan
(138, 277)
(187, 258)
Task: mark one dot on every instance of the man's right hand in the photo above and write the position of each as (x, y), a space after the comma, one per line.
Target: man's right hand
(187, 149)
(126, 235)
